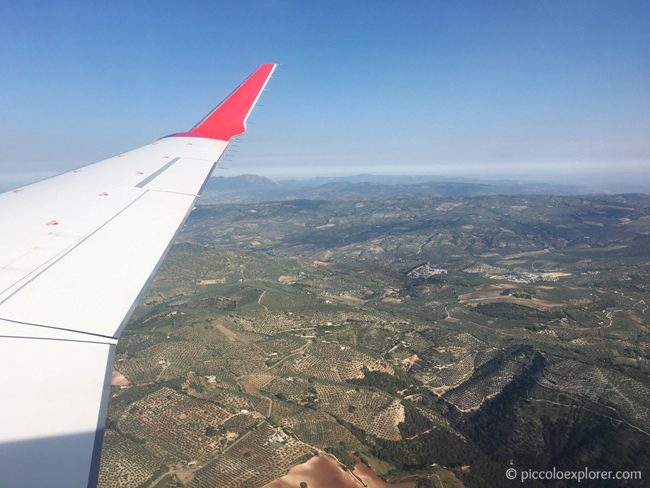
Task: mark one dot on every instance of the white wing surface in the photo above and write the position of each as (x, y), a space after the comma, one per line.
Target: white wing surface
(76, 253)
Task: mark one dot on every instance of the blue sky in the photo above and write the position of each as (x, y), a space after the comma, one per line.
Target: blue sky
(503, 88)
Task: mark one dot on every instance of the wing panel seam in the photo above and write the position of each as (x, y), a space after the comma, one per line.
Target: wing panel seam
(53, 327)
(58, 339)
(48, 264)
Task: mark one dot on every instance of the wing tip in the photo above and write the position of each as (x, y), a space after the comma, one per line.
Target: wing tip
(228, 119)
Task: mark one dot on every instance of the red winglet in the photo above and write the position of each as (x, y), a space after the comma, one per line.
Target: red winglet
(229, 118)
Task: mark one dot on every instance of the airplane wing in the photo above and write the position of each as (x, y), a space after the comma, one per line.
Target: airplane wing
(76, 253)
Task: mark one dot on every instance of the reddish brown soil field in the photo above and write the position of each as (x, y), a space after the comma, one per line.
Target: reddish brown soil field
(318, 472)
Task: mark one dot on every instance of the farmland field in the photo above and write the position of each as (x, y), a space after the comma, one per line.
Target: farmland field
(416, 338)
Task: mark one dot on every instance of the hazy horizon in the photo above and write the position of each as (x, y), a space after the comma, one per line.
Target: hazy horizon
(607, 181)
(545, 90)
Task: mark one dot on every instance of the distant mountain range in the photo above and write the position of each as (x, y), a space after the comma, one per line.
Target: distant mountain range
(253, 188)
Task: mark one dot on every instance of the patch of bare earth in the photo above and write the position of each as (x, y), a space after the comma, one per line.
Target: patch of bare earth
(118, 379)
(410, 361)
(319, 472)
(219, 281)
(184, 476)
(287, 280)
(448, 206)
(346, 299)
(248, 387)
(391, 300)
(232, 337)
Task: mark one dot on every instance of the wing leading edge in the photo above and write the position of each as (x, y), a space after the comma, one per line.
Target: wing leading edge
(77, 253)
